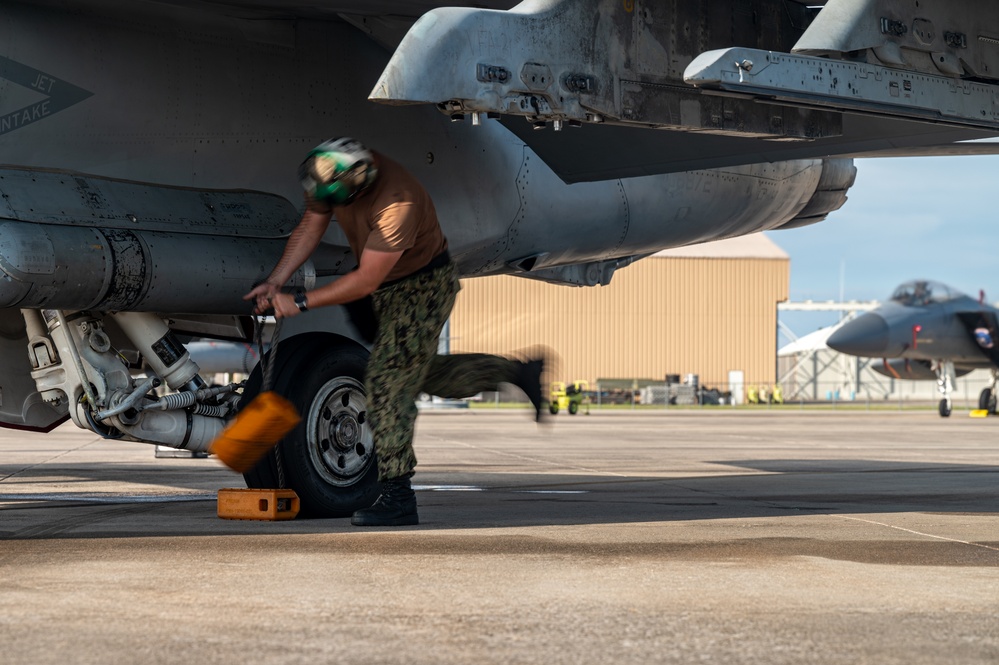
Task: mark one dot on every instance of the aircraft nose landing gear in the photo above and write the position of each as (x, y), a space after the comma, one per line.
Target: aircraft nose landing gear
(944, 407)
(946, 377)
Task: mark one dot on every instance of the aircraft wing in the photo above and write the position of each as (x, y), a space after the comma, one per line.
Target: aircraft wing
(609, 151)
(959, 149)
(718, 83)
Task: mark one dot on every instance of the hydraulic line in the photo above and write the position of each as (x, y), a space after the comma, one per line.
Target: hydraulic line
(211, 410)
(133, 399)
(186, 399)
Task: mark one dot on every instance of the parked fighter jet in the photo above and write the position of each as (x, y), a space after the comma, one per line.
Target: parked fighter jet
(150, 152)
(927, 331)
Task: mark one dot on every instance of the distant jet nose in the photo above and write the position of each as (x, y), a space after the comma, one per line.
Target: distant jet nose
(866, 336)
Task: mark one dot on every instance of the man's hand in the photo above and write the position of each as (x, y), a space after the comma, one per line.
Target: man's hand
(263, 294)
(284, 306)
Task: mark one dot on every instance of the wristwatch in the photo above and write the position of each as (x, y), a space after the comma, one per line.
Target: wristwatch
(301, 301)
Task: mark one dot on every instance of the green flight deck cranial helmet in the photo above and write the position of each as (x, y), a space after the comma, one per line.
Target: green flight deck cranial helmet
(337, 171)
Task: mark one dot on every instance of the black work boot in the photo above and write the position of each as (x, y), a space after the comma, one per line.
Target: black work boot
(529, 380)
(396, 506)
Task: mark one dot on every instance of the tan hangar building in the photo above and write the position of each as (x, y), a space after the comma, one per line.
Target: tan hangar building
(707, 310)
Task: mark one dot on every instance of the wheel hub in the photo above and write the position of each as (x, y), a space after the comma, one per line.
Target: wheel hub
(346, 431)
(340, 443)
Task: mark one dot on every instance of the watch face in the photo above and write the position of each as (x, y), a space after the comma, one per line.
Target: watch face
(300, 301)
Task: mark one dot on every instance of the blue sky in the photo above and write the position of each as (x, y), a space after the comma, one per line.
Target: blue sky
(931, 217)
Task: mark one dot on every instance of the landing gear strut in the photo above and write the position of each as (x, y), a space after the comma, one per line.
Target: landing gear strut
(946, 377)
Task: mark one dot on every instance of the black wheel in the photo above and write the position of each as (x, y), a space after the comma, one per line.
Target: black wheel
(987, 401)
(329, 458)
(573, 408)
(944, 408)
(553, 408)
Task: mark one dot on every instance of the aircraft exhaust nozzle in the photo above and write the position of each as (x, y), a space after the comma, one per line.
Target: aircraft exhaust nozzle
(866, 336)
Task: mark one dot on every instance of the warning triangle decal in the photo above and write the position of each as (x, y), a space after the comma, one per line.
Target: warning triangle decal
(59, 95)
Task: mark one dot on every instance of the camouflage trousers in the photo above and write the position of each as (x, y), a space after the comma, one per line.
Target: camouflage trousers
(404, 363)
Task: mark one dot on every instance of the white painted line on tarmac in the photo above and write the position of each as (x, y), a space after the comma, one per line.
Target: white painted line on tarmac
(473, 488)
(918, 533)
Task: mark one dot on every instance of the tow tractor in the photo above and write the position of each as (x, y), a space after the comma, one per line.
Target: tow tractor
(569, 398)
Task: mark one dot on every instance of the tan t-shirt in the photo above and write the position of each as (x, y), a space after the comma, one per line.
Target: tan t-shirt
(394, 214)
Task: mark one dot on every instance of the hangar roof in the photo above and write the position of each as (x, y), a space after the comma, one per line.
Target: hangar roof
(753, 246)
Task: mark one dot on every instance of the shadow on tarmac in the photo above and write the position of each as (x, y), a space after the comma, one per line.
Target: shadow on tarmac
(484, 500)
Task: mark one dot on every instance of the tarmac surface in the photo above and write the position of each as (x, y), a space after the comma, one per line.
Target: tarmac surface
(713, 536)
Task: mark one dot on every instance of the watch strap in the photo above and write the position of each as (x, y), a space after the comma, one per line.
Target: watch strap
(301, 301)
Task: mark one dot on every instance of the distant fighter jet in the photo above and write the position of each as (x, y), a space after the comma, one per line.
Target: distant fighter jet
(928, 331)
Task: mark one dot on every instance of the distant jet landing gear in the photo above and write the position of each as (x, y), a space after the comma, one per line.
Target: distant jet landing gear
(944, 407)
(987, 398)
(946, 377)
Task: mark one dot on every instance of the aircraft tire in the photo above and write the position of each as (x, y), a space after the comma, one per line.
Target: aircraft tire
(328, 459)
(944, 408)
(987, 401)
